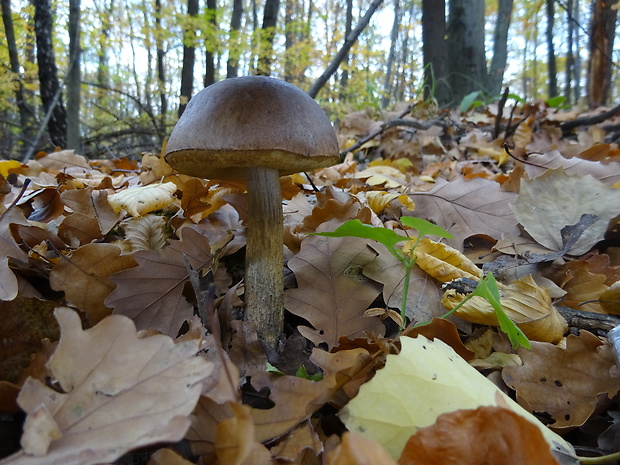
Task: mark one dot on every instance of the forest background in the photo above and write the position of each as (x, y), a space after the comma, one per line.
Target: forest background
(109, 78)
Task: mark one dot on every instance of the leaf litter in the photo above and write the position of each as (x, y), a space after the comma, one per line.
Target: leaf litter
(129, 260)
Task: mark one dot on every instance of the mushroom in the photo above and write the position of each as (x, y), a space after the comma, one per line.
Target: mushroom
(255, 129)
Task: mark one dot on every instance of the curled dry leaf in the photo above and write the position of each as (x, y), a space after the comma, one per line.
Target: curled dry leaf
(9, 249)
(488, 434)
(116, 392)
(140, 200)
(566, 383)
(610, 299)
(146, 232)
(525, 302)
(442, 382)
(443, 262)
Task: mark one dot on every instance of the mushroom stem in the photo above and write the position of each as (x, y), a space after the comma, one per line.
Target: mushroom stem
(264, 262)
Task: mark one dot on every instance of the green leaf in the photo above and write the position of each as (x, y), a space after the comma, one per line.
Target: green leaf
(556, 102)
(303, 373)
(425, 228)
(468, 101)
(487, 289)
(355, 228)
(271, 369)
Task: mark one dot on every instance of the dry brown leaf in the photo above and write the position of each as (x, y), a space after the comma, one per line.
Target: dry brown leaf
(299, 445)
(609, 173)
(8, 250)
(565, 383)
(525, 303)
(355, 449)
(84, 277)
(145, 232)
(140, 200)
(487, 435)
(152, 293)
(583, 287)
(64, 160)
(167, 457)
(424, 295)
(332, 292)
(554, 200)
(467, 208)
(440, 328)
(235, 443)
(610, 299)
(117, 392)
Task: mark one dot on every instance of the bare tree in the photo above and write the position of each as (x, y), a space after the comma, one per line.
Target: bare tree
(234, 52)
(387, 84)
(434, 50)
(500, 46)
(210, 45)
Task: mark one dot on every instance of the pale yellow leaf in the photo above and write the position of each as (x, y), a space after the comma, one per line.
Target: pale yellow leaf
(610, 299)
(426, 379)
(525, 302)
(140, 200)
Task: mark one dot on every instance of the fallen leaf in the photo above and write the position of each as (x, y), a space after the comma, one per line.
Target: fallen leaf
(9, 249)
(116, 392)
(467, 208)
(84, 277)
(332, 292)
(554, 200)
(608, 173)
(235, 443)
(610, 299)
(145, 232)
(355, 449)
(525, 302)
(487, 435)
(442, 262)
(565, 383)
(140, 200)
(385, 411)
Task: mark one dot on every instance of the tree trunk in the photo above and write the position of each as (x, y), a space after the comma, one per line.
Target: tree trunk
(348, 25)
(435, 51)
(268, 33)
(210, 46)
(569, 68)
(466, 55)
(551, 65)
(577, 36)
(500, 46)
(387, 84)
(344, 50)
(234, 49)
(74, 78)
(26, 114)
(51, 92)
(189, 57)
(289, 41)
(602, 31)
(161, 70)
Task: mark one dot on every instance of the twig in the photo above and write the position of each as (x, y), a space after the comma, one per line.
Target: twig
(569, 125)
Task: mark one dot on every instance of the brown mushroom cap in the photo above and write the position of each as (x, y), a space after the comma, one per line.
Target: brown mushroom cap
(239, 123)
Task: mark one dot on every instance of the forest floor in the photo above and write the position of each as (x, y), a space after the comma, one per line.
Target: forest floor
(122, 285)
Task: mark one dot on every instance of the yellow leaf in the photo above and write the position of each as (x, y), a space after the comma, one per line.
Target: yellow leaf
(525, 302)
(6, 165)
(443, 262)
(426, 379)
(610, 299)
(141, 200)
(379, 200)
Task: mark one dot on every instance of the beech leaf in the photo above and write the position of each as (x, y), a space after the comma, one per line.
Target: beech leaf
(117, 392)
(140, 200)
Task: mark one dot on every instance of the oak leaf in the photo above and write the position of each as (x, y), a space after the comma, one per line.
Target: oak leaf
(608, 173)
(9, 249)
(117, 392)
